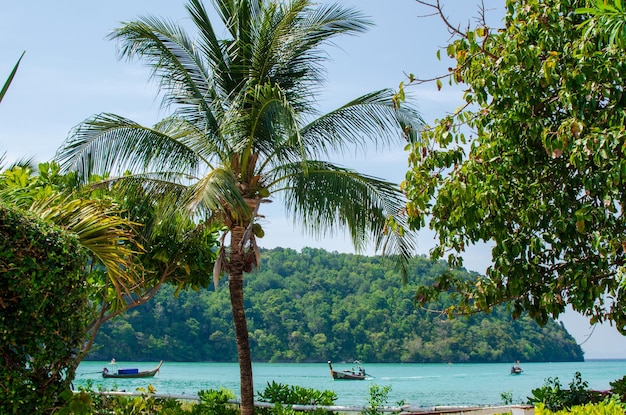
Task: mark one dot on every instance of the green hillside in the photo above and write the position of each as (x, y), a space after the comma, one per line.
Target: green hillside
(316, 306)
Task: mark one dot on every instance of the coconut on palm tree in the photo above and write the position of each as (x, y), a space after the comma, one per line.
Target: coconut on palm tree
(245, 130)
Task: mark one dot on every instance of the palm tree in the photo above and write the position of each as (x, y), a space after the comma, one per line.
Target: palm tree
(245, 131)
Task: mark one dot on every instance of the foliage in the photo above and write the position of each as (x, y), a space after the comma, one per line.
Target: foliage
(245, 129)
(211, 402)
(315, 306)
(215, 402)
(134, 245)
(533, 163)
(88, 402)
(96, 222)
(44, 311)
(608, 22)
(554, 398)
(79, 403)
(144, 404)
(378, 398)
(283, 395)
(507, 397)
(618, 388)
(610, 406)
(7, 83)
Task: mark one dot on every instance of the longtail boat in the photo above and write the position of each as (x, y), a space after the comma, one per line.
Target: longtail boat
(356, 373)
(131, 372)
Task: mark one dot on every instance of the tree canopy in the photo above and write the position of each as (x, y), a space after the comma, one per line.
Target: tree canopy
(314, 305)
(533, 161)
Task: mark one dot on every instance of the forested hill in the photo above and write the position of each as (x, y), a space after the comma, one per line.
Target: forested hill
(316, 306)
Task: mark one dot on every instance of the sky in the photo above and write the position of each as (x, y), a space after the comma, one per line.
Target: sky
(71, 71)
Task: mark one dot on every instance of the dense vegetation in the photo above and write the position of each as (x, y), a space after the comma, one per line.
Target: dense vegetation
(536, 161)
(43, 312)
(315, 306)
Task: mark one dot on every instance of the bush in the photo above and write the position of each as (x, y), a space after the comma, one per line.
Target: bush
(88, 402)
(280, 395)
(211, 402)
(610, 406)
(43, 312)
(618, 387)
(215, 402)
(553, 398)
(378, 399)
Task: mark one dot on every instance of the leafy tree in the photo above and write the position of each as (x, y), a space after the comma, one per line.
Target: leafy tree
(133, 251)
(541, 174)
(245, 128)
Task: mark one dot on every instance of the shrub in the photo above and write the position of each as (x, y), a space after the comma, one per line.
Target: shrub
(43, 312)
(378, 398)
(280, 395)
(215, 402)
(554, 398)
(618, 387)
(610, 406)
(88, 402)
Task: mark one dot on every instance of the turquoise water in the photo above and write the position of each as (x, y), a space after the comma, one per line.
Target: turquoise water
(415, 384)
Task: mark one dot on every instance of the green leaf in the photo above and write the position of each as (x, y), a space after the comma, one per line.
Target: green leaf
(6, 85)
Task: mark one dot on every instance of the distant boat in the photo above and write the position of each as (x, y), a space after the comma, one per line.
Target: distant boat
(516, 369)
(356, 373)
(130, 372)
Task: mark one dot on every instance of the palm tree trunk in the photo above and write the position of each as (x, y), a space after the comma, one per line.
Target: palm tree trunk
(235, 285)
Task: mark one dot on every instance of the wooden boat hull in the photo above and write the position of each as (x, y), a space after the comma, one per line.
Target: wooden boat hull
(143, 374)
(347, 374)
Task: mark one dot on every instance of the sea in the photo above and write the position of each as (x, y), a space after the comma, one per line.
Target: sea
(417, 385)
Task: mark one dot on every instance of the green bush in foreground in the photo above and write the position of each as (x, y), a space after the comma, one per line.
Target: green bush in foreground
(281, 394)
(211, 402)
(610, 406)
(618, 388)
(43, 312)
(552, 397)
(215, 402)
(88, 402)
(218, 402)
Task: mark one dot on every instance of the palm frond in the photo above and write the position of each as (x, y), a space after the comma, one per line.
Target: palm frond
(262, 122)
(109, 237)
(370, 118)
(238, 15)
(213, 49)
(287, 46)
(217, 192)
(183, 77)
(6, 85)
(325, 197)
(108, 143)
(27, 162)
